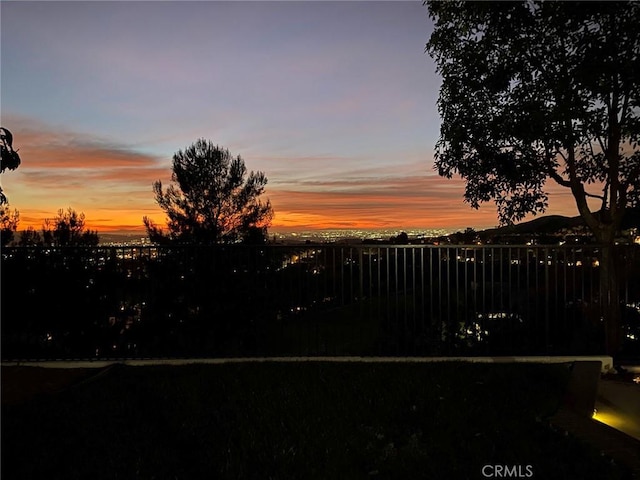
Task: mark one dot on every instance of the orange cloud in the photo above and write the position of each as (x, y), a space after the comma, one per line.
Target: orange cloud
(407, 202)
(111, 184)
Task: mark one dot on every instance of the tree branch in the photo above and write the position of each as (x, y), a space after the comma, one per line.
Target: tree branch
(591, 195)
(556, 176)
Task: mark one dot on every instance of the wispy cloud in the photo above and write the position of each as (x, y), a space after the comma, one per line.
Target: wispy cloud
(408, 201)
(111, 183)
(49, 147)
(64, 168)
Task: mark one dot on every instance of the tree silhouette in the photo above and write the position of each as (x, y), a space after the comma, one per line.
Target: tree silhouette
(533, 91)
(401, 239)
(68, 229)
(8, 224)
(211, 199)
(30, 238)
(9, 158)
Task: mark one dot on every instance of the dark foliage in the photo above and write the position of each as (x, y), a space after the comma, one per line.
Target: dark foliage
(538, 91)
(8, 224)
(211, 199)
(236, 300)
(67, 229)
(9, 158)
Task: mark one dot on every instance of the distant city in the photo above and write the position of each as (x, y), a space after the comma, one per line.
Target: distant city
(314, 236)
(548, 230)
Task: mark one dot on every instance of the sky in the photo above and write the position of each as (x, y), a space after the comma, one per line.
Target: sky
(336, 102)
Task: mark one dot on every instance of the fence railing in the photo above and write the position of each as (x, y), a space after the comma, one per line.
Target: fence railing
(310, 300)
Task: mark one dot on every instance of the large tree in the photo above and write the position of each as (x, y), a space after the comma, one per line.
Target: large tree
(211, 199)
(540, 91)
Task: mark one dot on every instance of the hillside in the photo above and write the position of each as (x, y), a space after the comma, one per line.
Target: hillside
(554, 223)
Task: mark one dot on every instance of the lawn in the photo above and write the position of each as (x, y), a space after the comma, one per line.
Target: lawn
(299, 421)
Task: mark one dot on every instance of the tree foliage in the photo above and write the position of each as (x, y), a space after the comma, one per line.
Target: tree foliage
(67, 229)
(211, 199)
(8, 224)
(9, 158)
(30, 237)
(540, 90)
(534, 91)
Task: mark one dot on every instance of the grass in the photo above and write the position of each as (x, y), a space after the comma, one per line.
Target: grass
(299, 421)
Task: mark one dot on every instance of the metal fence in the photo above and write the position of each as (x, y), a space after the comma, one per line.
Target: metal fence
(310, 300)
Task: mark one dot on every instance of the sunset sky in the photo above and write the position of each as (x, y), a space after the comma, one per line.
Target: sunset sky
(334, 101)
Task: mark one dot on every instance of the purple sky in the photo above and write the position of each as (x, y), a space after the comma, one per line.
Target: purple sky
(334, 101)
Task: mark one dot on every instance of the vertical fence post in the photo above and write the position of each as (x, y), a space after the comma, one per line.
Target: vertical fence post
(422, 293)
(364, 319)
(546, 303)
